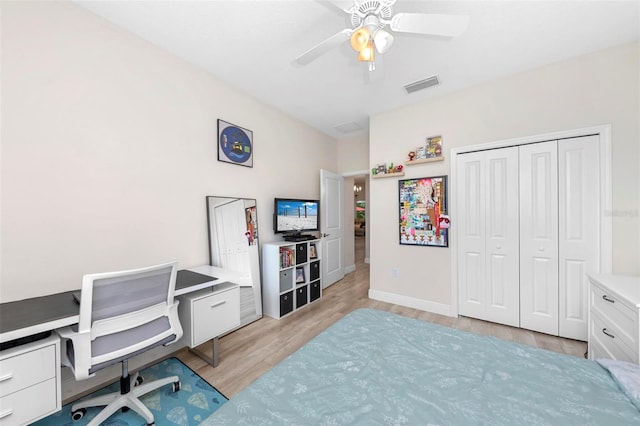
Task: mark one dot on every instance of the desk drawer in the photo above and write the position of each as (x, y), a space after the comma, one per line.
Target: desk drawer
(29, 404)
(26, 369)
(214, 315)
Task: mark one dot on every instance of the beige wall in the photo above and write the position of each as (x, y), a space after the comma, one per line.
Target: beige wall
(596, 89)
(109, 148)
(353, 153)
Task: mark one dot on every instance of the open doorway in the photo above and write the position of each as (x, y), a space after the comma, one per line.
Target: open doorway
(356, 243)
(360, 217)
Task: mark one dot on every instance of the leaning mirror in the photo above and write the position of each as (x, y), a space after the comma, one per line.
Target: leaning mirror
(233, 245)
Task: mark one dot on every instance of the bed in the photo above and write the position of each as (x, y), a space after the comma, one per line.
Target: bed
(377, 368)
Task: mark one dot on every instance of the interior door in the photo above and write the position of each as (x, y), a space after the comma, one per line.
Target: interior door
(502, 236)
(539, 237)
(488, 271)
(331, 226)
(579, 230)
(471, 251)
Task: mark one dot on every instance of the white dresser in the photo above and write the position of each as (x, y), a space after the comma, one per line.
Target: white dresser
(614, 313)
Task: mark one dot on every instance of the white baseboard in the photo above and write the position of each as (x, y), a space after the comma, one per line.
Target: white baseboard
(411, 302)
(349, 269)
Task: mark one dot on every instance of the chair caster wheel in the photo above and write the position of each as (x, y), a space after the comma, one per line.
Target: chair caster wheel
(139, 381)
(78, 414)
(176, 386)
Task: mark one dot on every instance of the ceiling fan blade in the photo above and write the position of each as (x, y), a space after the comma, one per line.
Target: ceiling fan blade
(323, 47)
(430, 24)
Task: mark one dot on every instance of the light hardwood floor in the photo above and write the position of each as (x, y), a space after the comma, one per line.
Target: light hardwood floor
(249, 352)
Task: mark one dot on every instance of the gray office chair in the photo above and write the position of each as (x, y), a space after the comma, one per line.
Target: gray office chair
(122, 314)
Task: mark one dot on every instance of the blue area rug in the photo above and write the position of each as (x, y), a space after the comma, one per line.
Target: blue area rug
(195, 401)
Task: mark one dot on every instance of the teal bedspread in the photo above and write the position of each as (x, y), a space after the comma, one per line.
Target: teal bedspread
(377, 368)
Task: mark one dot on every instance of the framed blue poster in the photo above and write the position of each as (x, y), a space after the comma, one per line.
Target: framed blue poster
(235, 144)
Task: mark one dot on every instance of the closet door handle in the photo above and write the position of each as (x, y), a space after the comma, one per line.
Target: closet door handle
(541, 249)
(604, 330)
(498, 247)
(604, 296)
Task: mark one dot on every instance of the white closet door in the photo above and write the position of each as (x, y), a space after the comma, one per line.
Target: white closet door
(471, 226)
(539, 237)
(488, 254)
(579, 230)
(502, 239)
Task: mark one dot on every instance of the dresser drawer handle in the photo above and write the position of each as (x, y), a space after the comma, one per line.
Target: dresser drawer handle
(604, 296)
(222, 302)
(6, 377)
(6, 413)
(604, 330)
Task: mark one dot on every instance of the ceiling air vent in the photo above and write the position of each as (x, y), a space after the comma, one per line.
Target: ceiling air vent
(348, 127)
(422, 84)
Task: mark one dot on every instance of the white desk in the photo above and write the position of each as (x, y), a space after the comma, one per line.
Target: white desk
(21, 320)
(221, 275)
(208, 311)
(24, 318)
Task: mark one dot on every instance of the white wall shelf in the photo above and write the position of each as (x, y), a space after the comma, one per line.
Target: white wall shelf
(387, 175)
(423, 160)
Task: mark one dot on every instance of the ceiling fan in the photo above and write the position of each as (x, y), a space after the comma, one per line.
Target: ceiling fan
(368, 35)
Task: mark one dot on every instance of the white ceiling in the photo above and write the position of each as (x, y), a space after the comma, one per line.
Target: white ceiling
(252, 44)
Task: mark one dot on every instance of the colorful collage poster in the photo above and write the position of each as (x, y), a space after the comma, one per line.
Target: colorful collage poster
(424, 219)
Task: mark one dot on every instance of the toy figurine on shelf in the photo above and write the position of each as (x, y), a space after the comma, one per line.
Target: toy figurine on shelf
(390, 167)
(412, 155)
(398, 168)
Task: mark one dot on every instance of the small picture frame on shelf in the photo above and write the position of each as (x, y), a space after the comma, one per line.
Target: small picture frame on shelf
(300, 276)
(421, 152)
(312, 251)
(382, 168)
(434, 147)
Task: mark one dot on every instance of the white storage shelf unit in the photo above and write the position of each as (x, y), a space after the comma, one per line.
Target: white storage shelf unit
(291, 276)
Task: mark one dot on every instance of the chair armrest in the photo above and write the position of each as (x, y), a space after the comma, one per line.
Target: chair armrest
(66, 332)
(81, 352)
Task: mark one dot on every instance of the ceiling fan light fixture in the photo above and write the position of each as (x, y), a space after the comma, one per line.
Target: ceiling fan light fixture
(367, 54)
(359, 39)
(383, 41)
